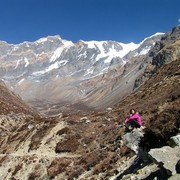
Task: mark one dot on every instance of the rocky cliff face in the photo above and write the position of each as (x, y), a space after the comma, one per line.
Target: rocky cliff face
(163, 52)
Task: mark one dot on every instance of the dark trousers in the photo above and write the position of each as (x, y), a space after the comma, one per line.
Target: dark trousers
(132, 123)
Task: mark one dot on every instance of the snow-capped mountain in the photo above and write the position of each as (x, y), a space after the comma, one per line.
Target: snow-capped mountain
(46, 54)
(43, 69)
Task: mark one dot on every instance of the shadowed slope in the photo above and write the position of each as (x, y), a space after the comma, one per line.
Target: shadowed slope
(10, 103)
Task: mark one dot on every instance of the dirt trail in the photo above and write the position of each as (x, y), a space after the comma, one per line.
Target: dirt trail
(47, 147)
(22, 163)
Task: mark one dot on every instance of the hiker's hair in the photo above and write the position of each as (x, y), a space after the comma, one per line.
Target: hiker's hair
(132, 110)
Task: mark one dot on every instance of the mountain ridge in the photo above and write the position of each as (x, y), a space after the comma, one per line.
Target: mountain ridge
(31, 68)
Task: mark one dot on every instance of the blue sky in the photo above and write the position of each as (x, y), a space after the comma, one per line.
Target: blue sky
(119, 20)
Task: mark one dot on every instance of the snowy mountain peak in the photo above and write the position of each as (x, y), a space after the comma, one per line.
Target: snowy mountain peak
(111, 47)
(67, 43)
(31, 60)
(127, 48)
(152, 36)
(143, 47)
(55, 65)
(48, 38)
(57, 53)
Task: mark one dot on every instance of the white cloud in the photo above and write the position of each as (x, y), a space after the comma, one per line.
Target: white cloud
(178, 20)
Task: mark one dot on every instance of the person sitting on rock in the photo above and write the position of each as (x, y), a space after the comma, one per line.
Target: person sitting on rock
(133, 121)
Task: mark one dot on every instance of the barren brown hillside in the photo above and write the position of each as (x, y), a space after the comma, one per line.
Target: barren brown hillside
(10, 103)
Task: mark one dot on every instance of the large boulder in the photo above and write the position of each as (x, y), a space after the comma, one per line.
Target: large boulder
(175, 177)
(132, 139)
(166, 157)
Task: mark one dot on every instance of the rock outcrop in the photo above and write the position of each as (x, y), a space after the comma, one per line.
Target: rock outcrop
(157, 163)
(167, 157)
(163, 52)
(175, 140)
(132, 139)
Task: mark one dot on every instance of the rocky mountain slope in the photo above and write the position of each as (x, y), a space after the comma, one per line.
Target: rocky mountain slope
(10, 103)
(94, 145)
(163, 52)
(52, 72)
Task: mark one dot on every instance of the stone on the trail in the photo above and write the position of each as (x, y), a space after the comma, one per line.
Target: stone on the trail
(87, 121)
(83, 119)
(109, 109)
(175, 140)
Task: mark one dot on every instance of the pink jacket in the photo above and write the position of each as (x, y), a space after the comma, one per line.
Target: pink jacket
(135, 116)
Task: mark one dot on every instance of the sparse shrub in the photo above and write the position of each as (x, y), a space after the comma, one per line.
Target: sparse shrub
(124, 150)
(89, 139)
(160, 127)
(33, 176)
(62, 131)
(91, 159)
(74, 172)
(2, 159)
(17, 168)
(104, 165)
(69, 145)
(58, 166)
(13, 178)
(38, 136)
